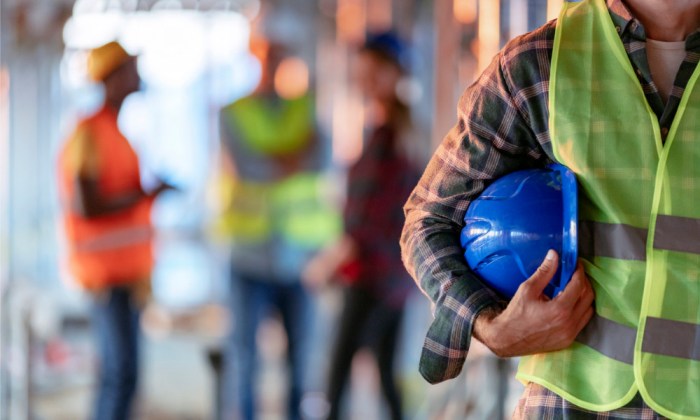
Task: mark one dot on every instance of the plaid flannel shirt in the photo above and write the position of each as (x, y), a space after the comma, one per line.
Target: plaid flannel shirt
(537, 402)
(502, 126)
(378, 185)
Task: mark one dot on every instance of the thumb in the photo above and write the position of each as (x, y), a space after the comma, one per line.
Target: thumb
(539, 280)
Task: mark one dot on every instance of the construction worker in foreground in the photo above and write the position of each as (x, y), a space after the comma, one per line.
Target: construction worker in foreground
(107, 221)
(276, 218)
(608, 90)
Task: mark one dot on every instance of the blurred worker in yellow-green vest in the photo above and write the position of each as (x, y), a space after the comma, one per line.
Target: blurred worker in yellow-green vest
(107, 221)
(276, 218)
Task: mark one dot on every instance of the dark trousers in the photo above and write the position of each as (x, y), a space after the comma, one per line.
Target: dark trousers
(252, 300)
(116, 324)
(365, 320)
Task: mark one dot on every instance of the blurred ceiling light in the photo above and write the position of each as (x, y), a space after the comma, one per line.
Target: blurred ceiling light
(90, 30)
(130, 5)
(221, 5)
(173, 48)
(95, 6)
(192, 4)
(292, 78)
(136, 31)
(173, 44)
(167, 5)
(74, 69)
(350, 21)
(465, 11)
(228, 34)
(248, 8)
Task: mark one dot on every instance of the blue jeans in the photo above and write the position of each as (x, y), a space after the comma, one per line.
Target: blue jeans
(252, 300)
(116, 324)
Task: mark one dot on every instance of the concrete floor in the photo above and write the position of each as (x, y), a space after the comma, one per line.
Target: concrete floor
(178, 384)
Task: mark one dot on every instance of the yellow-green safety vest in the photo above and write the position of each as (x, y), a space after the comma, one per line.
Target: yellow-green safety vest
(296, 209)
(640, 226)
(303, 212)
(273, 129)
(246, 216)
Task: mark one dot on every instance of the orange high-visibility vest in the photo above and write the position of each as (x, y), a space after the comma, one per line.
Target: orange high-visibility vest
(115, 248)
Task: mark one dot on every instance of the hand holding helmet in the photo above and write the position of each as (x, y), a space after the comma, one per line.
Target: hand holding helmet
(533, 323)
(514, 235)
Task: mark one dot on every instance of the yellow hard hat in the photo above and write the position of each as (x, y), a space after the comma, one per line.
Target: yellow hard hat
(103, 60)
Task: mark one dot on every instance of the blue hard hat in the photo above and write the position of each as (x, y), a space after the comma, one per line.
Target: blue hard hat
(510, 227)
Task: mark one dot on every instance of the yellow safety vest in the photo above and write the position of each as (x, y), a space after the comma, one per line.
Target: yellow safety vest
(283, 128)
(640, 226)
(303, 212)
(293, 209)
(247, 212)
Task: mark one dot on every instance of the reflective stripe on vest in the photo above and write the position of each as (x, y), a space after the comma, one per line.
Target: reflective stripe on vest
(597, 239)
(677, 234)
(610, 338)
(640, 226)
(661, 336)
(115, 239)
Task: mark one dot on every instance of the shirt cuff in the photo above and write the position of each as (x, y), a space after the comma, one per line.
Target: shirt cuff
(447, 342)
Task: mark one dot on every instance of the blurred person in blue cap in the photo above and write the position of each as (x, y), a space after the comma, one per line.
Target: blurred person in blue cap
(367, 259)
(608, 90)
(107, 220)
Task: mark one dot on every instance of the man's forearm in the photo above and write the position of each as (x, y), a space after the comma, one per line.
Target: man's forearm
(89, 202)
(482, 324)
(533, 323)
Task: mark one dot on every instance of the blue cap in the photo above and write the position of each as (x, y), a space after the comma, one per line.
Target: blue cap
(510, 227)
(390, 46)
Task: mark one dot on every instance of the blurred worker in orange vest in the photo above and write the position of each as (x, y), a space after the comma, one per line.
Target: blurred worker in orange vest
(108, 228)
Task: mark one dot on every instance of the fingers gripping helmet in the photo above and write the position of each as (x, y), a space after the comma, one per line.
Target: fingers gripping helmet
(510, 227)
